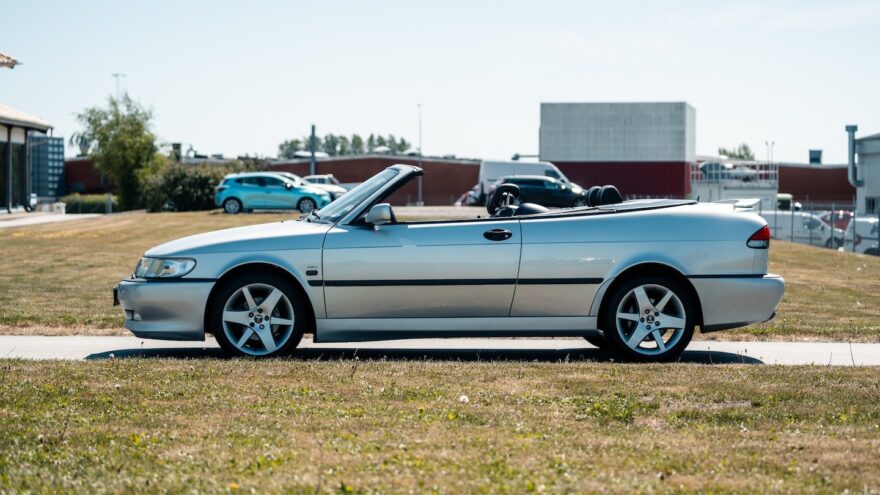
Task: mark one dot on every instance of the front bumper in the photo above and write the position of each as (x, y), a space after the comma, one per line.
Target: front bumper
(171, 309)
(730, 302)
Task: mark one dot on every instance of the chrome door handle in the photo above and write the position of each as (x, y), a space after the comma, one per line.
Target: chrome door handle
(498, 234)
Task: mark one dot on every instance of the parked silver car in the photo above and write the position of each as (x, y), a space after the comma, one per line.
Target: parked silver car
(636, 276)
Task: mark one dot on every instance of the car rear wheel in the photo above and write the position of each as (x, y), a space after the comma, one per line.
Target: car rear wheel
(649, 319)
(258, 315)
(306, 205)
(232, 206)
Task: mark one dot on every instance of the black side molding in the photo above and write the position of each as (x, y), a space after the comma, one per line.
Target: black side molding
(735, 275)
(453, 281)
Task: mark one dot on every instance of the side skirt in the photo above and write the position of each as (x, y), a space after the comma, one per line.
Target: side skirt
(367, 329)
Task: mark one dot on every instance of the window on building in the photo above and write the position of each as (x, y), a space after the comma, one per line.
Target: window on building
(871, 205)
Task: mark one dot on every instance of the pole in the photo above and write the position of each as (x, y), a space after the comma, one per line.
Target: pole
(117, 75)
(26, 180)
(853, 222)
(8, 180)
(420, 201)
(312, 165)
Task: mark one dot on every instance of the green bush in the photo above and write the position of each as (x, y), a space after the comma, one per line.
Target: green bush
(177, 187)
(88, 203)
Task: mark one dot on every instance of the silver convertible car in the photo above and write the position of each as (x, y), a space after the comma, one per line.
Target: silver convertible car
(635, 277)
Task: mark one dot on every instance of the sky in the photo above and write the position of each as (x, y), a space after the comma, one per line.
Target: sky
(241, 77)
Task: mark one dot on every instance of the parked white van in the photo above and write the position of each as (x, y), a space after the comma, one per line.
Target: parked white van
(802, 227)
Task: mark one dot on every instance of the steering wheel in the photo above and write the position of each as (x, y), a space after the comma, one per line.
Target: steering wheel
(503, 197)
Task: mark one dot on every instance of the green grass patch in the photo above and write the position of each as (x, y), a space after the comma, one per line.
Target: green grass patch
(302, 426)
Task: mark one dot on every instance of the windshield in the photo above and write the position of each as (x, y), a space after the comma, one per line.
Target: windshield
(342, 206)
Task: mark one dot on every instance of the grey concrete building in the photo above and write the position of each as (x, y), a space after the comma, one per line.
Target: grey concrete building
(645, 148)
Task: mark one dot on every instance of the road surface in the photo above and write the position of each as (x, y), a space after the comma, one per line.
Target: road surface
(550, 350)
(41, 218)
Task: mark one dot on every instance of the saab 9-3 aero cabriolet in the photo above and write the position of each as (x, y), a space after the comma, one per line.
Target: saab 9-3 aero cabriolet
(636, 277)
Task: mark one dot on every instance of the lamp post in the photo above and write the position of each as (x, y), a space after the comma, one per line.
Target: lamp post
(769, 145)
(420, 201)
(117, 76)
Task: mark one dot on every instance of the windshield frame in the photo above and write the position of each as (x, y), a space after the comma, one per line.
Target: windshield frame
(403, 174)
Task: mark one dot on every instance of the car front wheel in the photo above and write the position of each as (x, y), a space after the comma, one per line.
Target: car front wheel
(306, 205)
(258, 315)
(232, 206)
(649, 319)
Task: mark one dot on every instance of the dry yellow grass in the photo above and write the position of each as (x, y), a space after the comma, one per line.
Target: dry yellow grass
(57, 278)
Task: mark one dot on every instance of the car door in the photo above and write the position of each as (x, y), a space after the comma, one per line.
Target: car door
(251, 192)
(275, 194)
(531, 190)
(554, 195)
(421, 270)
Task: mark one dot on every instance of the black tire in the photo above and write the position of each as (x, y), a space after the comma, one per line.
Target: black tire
(833, 243)
(228, 290)
(306, 205)
(872, 251)
(232, 206)
(599, 341)
(685, 310)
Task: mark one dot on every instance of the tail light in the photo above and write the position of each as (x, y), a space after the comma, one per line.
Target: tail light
(220, 188)
(760, 239)
(858, 239)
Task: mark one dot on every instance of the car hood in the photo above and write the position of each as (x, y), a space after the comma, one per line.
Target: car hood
(330, 188)
(289, 234)
(312, 189)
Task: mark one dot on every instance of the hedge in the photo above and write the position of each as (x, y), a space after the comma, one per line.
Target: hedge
(88, 203)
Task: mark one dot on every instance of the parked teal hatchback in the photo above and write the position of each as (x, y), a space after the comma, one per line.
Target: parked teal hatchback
(265, 190)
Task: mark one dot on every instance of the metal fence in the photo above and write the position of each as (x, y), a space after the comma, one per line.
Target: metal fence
(829, 224)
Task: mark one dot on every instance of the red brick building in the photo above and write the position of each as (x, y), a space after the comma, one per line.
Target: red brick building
(81, 176)
(816, 183)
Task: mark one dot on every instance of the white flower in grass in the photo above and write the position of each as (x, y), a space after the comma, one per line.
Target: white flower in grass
(464, 399)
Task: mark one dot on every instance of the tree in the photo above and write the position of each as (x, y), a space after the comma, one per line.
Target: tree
(371, 143)
(288, 149)
(742, 152)
(357, 145)
(81, 141)
(331, 145)
(344, 147)
(122, 144)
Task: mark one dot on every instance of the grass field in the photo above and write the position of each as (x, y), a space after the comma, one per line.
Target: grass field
(142, 425)
(56, 278)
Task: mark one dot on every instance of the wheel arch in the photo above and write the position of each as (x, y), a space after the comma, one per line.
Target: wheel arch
(647, 269)
(264, 267)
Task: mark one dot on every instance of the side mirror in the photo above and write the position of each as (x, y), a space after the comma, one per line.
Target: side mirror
(379, 214)
(288, 185)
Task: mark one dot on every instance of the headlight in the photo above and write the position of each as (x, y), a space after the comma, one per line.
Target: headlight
(163, 267)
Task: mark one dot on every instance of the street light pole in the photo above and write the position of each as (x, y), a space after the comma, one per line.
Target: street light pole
(118, 75)
(420, 201)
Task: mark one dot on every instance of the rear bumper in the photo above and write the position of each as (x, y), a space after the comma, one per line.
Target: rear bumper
(166, 310)
(730, 302)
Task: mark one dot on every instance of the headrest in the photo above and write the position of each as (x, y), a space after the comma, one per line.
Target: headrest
(609, 195)
(593, 195)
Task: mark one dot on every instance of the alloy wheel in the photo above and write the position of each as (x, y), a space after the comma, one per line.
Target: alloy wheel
(232, 206)
(258, 319)
(306, 205)
(650, 319)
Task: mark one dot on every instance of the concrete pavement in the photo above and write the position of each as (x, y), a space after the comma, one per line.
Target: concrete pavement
(40, 218)
(550, 350)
